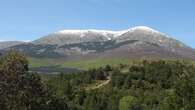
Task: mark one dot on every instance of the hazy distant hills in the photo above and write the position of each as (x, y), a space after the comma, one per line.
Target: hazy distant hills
(135, 42)
(7, 44)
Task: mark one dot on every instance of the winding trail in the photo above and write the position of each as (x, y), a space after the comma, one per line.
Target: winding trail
(100, 85)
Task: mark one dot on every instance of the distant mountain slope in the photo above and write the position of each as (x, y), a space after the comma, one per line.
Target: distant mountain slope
(7, 44)
(135, 42)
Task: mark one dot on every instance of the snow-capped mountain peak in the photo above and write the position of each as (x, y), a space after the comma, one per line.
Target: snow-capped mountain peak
(143, 28)
(107, 32)
(141, 33)
(135, 42)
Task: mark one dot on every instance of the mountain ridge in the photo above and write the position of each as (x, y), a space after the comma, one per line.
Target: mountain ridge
(138, 42)
(90, 35)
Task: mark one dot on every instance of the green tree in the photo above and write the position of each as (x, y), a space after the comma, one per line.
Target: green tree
(107, 68)
(22, 90)
(129, 103)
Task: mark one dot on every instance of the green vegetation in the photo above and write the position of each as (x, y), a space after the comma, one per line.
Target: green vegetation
(22, 90)
(144, 85)
(89, 64)
(193, 63)
(35, 62)
(127, 103)
(84, 64)
(81, 64)
(148, 85)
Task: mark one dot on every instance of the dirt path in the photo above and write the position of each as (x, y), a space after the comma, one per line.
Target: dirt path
(100, 85)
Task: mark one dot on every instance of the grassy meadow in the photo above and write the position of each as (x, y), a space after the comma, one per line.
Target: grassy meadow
(81, 64)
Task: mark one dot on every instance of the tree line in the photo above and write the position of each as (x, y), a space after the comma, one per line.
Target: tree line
(147, 85)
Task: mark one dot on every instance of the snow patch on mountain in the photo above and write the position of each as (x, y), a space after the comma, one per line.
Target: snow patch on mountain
(145, 28)
(141, 33)
(107, 32)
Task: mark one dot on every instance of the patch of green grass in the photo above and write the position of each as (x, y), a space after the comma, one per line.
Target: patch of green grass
(83, 64)
(79, 64)
(95, 63)
(193, 62)
(36, 62)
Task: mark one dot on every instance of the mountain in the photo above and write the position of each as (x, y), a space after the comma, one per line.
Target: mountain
(7, 44)
(136, 42)
(141, 33)
(78, 36)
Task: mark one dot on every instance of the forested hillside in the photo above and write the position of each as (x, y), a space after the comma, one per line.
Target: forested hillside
(144, 85)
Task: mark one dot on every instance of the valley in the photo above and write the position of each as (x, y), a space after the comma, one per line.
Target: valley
(139, 68)
(97, 55)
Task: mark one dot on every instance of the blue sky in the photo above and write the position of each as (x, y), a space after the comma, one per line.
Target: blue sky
(31, 19)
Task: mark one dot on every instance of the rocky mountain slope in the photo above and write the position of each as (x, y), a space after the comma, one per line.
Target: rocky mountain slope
(135, 42)
(141, 33)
